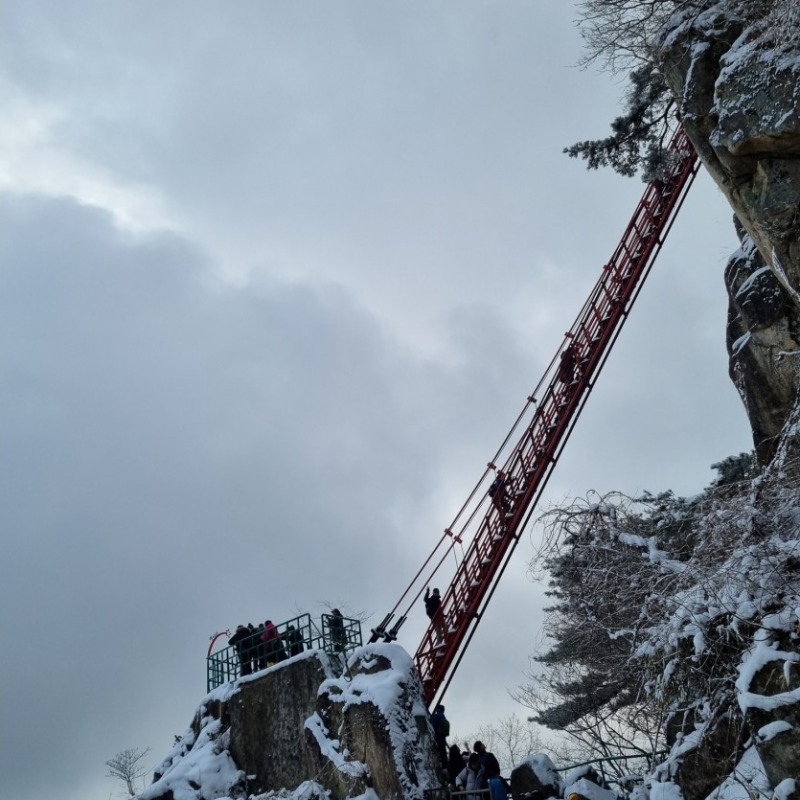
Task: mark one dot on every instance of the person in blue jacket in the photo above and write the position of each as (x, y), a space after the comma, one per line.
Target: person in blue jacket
(441, 730)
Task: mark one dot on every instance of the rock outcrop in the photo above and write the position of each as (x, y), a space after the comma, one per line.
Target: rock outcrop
(535, 778)
(733, 69)
(297, 728)
(737, 85)
(770, 697)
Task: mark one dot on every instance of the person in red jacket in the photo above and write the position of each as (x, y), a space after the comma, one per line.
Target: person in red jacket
(273, 644)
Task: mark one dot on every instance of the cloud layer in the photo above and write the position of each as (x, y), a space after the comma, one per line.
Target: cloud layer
(275, 280)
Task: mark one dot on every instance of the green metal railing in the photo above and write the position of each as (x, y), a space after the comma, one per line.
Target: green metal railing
(648, 761)
(334, 635)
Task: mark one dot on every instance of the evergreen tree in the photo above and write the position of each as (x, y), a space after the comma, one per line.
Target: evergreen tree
(638, 138)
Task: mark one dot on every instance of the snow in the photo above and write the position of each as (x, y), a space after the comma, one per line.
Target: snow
(329, 748)
(747, 780)
(764, 652)
(203, 769)
(543, 768)
(785, 789)
(751, 281)
(771, 730)
(741, 342)
(384, 689)
(591, 791)
(207, 764)
(665, 791)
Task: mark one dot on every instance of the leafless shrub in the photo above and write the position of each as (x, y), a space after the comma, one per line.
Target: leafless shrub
(656, 598)
(511, 739)
(127, 767)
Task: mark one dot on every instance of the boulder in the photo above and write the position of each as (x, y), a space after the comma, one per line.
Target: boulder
(535, 779)
(297, 727)
(770, 696)
(708, 756)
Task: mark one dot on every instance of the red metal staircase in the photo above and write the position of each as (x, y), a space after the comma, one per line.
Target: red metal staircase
(489, 530)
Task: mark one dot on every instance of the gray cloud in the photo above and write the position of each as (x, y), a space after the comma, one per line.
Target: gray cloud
(181, 454)
(183, 451)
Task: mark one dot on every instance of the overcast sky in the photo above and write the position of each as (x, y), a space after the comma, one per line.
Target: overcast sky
(276, 279)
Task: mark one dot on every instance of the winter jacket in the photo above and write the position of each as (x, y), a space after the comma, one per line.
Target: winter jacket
(432, 603)
(273, 642)
(467, 779)
(489, 769)
(440, 725)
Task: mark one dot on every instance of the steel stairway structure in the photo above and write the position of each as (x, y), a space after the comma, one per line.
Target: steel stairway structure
(487, 529)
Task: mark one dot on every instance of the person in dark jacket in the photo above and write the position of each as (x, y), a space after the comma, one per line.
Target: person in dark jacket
(239, 641)
(260, 650)
(294, 640)
(455, 763)
(433, 602)
(566, 366)
(252, 645)
(489, 765)
(498, 491)
(337, 632)
(441, 730)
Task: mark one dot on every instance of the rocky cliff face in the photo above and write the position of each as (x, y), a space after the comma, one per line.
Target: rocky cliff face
(734, 70)
(737, 83)
(298, 730)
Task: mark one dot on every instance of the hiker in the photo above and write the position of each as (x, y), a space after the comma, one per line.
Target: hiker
(456, 761)
(489, 768)
(467, 779)
(273, 644)
(337, 631)
(499, 493)
(260, 651)
(251, 645)
(566, 367)
(239, 641)
(294, 640)
(441, 730)
(433, 602)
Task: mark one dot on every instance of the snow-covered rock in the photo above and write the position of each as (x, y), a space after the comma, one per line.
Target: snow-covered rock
(299, 732)
(535, 778)
(584, 789)
(735, 74)
(769, 696)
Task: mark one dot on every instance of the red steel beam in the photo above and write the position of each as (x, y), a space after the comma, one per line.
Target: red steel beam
(563, 392)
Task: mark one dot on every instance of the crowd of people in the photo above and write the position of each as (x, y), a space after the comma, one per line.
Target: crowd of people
(467, 771)
(261, 647)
